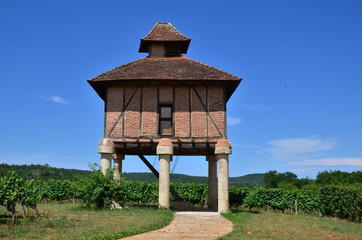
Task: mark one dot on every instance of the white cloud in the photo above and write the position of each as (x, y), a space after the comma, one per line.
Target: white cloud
(58, 99)
(329, 162)
(291, 148)
(234, 121)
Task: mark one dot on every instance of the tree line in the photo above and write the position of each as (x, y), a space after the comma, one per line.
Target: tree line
(46, 172)
(289, 180)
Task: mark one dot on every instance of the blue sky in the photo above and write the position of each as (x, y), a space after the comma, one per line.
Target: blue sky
(297, 109)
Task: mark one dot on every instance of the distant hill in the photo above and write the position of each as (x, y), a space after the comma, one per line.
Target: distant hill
(45, 172)
(250, 180)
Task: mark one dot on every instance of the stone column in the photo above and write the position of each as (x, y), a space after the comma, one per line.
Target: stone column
(222, 151)
(212, 181)
(106, 149)
(165, 152)
(117, 166)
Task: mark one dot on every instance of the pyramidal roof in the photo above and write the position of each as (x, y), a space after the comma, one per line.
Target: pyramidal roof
(173, 70)
(164, 32)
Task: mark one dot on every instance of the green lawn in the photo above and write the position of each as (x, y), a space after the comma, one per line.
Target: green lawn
(69, 221)
(278, 226)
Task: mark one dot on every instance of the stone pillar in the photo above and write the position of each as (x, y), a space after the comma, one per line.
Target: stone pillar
(165, 152)
(212, 181)
(117, 166)
(106, 149)
(222, 151)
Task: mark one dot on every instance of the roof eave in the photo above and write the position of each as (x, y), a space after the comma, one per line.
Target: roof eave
(144, 45)
(100, 86)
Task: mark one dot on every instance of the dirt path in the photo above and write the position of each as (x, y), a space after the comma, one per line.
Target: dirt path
(191, 226)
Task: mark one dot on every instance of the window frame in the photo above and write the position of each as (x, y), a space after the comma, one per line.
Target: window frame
(166, 119)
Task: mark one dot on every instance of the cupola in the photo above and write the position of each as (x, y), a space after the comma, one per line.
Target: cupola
(164, 41)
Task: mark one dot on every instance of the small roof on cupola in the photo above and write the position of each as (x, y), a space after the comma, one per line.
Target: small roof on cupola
(164, 32)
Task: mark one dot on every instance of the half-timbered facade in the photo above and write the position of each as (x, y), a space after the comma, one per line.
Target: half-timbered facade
(164, 99)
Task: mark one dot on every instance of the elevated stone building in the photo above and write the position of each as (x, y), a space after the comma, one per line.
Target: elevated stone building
(167, 104)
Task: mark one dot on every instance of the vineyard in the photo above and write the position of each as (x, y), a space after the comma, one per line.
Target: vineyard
(102, 191)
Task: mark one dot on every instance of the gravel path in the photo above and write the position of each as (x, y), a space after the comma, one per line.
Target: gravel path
(191, 226)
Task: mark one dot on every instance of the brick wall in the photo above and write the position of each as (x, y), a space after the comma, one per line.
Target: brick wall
(182, 112)
(141, 116)
(216, 111)
(113, 108)
(198, 113)
(149, 111)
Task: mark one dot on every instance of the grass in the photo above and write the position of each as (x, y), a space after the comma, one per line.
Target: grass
(278, 226)
(71, 221)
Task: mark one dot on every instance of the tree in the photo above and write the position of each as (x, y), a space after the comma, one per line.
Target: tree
(272, 178)
(338, 177)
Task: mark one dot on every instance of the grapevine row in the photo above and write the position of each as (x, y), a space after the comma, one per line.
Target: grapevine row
(101, 191)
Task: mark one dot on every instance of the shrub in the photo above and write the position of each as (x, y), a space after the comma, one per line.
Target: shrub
(192, 192)
(139, 192)
(341, 202)
(100, 190)
(57, 190)
(31, 193)
(308, 201)
(10, 187)
(237, 195)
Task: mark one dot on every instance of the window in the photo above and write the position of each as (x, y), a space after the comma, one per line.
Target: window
(173, 50)
(165, 119)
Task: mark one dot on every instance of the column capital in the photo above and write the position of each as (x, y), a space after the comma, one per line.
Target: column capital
(223, 146)
(106, 145)
(165, 147)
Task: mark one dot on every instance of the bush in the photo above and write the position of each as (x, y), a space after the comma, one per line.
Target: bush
(57, 190)
(192, 192)
(308, 201)
(237, 195)
(341, 202)
(139, 192)
(256, 198)
(10, 187)
(31, 193)
(100, 190)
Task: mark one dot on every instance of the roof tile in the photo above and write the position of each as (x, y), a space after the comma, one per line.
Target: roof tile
(165, 32)
(176, 68)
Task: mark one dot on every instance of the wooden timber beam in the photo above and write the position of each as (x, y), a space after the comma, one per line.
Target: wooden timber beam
(155, 172)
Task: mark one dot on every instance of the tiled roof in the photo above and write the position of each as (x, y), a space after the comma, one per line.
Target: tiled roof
(176, 68)
(165, 69)
(164, 32)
